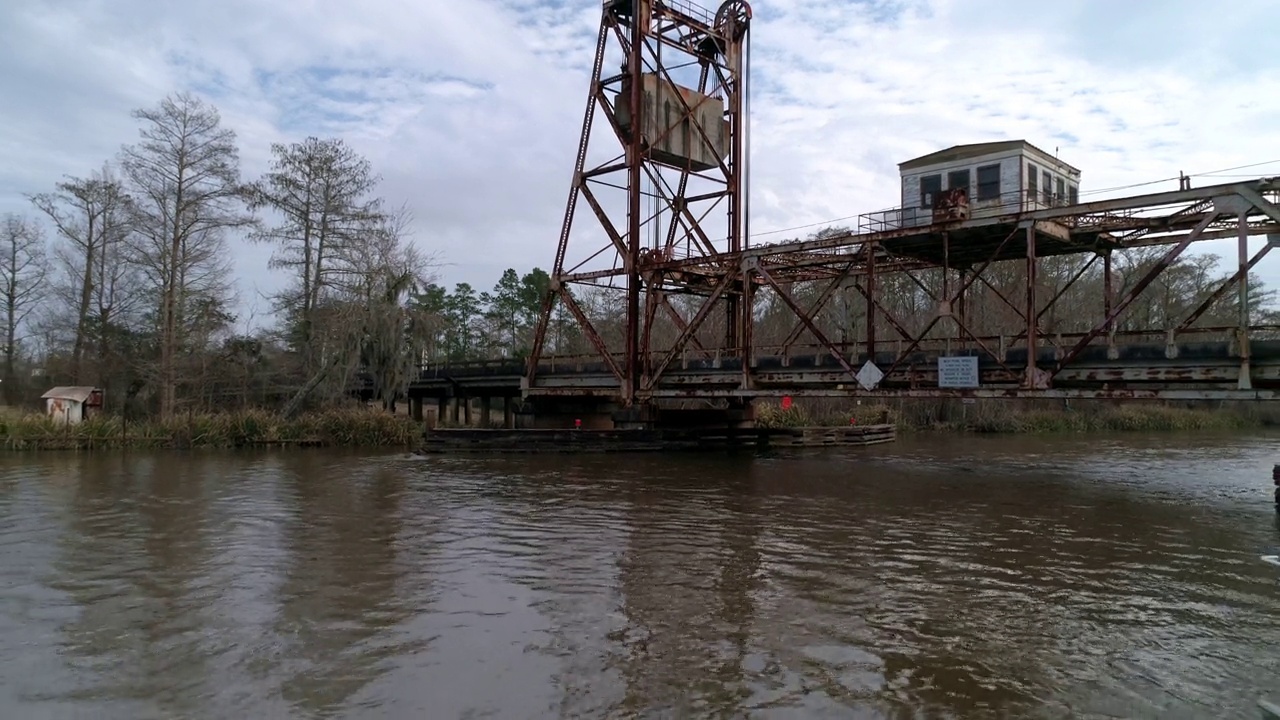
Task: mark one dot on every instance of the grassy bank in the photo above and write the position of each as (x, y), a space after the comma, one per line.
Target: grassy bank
(1033, 416)
(330, 428)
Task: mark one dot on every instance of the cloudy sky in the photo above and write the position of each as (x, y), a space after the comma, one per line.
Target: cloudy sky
(470, 109)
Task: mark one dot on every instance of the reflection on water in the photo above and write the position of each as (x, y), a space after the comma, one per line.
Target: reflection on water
(952, 577)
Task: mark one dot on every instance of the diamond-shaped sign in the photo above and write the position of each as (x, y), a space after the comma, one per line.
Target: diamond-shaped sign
(869, 376)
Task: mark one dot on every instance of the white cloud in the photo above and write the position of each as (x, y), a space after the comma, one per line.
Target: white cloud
(471, 110)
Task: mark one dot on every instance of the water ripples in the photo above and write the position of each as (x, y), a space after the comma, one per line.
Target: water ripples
(952, 580)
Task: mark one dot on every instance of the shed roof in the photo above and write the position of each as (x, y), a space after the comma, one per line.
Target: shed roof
(972, 150)
(78, 393)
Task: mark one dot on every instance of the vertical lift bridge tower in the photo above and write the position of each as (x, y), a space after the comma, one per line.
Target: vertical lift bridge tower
(661, 172)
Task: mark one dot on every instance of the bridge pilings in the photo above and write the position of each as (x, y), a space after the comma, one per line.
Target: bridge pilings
(455, 409)
(609, 414)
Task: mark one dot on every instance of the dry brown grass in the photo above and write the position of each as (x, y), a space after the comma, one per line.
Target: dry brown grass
(1024, 416)
(356, 427)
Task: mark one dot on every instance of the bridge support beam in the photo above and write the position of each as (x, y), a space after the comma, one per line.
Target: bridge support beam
(1033, 380)
(1242, 225)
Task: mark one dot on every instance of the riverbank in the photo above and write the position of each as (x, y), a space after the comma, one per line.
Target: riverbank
(1025, 417)
(252, 428)
(373, 428)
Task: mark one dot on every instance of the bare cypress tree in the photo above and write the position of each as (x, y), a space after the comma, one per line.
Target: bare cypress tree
(321, 190)
(92, 217)
(185, 178)
(23, 270)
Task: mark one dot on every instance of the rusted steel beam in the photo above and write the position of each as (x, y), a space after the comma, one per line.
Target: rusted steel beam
(995, 254)
(681, 324)
(1149, 202)
(1255, 228)
(684, 181)
(1032, 378)
(1254, 196)
(981, 345)
(602, 170)
(581, 158)
(1132, 295)
(1003, 298)
(1153, 200)
(1222, 289)
(651, 302)
(817, 332)
(693, 326)
(587, 277)
(1107, 293)
(915, 342)
(1194, 374)
(693, 225)
(548, 303)
(870, 294)
(1242, 255)
(980, 393)
(614, 236)
(928, 293)
(816, 307)
(747, 318)
(1057, 296)
(634, 145)
(893, 321)
(590, 331)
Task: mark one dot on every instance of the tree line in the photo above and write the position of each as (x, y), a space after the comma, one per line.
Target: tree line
(121, 279)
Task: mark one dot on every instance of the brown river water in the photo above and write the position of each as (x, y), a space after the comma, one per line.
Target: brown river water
(937, 577)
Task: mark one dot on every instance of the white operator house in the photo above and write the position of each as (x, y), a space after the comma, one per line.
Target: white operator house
(984, 179)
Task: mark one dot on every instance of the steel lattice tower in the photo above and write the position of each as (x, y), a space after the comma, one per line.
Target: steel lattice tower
(665, 177)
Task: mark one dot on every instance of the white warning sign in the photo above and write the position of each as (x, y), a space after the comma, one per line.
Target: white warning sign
(958, 372)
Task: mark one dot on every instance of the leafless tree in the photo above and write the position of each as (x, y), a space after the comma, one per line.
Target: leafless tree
(91, 215)
(185, 178)
(320, 189)
(23, 270)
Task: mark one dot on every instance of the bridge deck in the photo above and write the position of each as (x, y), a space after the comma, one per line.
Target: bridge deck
(1187, 370)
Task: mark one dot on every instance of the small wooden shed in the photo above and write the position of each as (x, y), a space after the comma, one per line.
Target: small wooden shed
(72, 404)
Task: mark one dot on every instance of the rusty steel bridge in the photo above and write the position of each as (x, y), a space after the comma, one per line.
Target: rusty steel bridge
(666, 245)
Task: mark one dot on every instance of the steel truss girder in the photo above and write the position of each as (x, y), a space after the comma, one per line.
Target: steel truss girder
(730, 276)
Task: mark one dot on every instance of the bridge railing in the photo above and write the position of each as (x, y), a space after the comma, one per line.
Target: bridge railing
(1015, 340)
(958, 205)
(996, 344)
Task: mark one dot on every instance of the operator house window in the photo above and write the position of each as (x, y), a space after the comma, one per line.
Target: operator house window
(988, 182)
(1033, 184)
(1074, 195)
(930, 187)
(1062, 189)
(1048, 188)
(958, 179)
